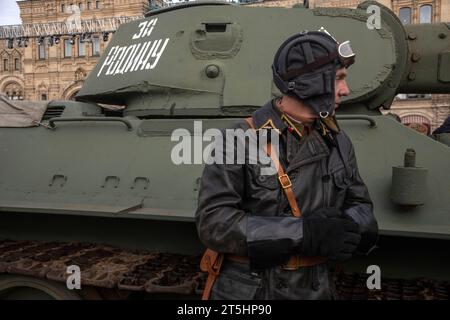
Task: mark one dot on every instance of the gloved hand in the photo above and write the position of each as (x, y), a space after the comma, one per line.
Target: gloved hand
(329, 212)
(335, 237)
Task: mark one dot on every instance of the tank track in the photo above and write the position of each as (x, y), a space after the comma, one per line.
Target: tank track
(160, 272)
(103, 266)
(352, 286)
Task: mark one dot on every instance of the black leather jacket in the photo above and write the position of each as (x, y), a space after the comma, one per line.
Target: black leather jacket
(245, 213)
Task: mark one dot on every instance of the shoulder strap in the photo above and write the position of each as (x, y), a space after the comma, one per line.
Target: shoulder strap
(283, 178)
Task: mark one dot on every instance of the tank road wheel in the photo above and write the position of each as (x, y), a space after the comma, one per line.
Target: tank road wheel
(14, 287)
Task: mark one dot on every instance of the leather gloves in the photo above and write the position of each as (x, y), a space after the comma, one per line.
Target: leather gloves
(329, 233)
(330, 212)
(272, 240)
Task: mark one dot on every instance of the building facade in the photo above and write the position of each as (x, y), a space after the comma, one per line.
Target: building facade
(11, 71)
(54, 66)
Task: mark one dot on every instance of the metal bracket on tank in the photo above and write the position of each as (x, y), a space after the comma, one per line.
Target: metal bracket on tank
(146, 180)
(111, 177)
(372, 122)
(127, 123)
(58, 176)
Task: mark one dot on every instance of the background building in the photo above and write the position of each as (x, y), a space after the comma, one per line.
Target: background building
(11, 71)
(54, 66)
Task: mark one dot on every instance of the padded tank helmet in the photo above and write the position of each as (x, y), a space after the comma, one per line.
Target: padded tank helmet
(305, 67)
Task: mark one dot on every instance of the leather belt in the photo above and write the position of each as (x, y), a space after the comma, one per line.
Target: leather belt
(294, 263)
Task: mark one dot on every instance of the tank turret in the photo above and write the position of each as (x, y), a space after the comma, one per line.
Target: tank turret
(215, 59)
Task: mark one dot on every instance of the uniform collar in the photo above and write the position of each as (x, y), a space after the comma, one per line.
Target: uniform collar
(313, 147)
(268, 117)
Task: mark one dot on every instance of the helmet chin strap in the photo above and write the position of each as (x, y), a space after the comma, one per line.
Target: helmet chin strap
(279, 103)
(293, 119)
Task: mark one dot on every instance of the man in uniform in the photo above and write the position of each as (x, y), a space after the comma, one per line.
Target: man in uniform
(277, 233)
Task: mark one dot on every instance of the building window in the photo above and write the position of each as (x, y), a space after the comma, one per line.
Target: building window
(426, 12)
(73, 95)
(16, 64)
(95, 46)
(405, 15)
(81, 48)
(417, 122)
(41, 49)
(80, 6)
(67, 48)
(44, 96)
(97, 5)
(89, 5)
(63, 8)
(14, 94)
(5, 64)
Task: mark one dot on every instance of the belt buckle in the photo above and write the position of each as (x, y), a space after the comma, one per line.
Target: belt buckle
(285, 181)
(287, 266)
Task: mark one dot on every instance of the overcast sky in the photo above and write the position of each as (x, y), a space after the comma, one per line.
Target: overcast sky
(9, 12)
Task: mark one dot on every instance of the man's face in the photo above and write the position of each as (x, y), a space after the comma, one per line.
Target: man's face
(340, 86)
(304, 113)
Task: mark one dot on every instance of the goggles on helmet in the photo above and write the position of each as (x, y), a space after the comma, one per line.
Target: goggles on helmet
(346, 55)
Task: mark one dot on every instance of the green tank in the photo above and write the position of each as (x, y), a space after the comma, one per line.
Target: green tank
(92, 183)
